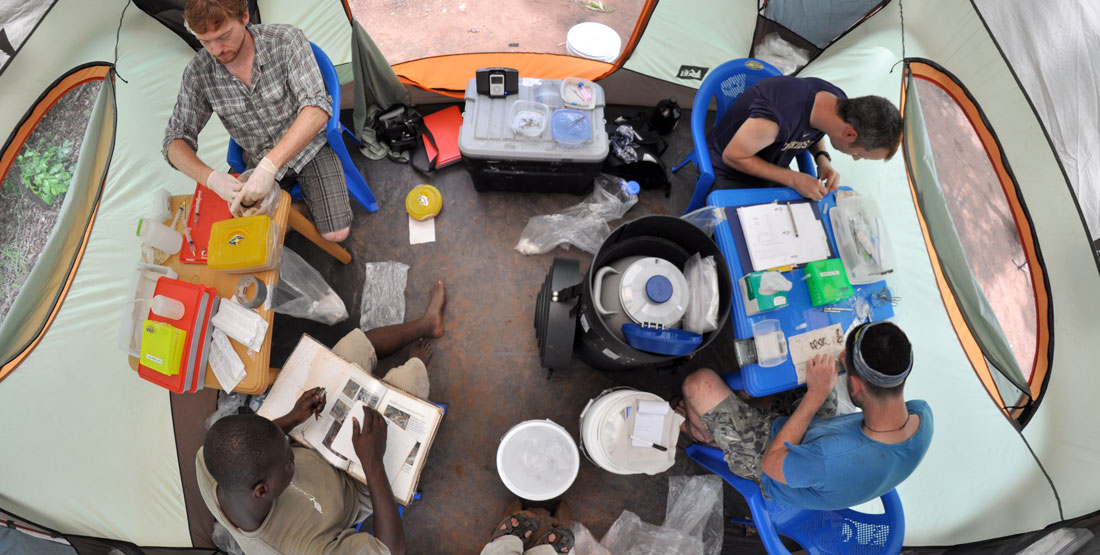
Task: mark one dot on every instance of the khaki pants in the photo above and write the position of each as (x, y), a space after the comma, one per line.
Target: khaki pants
(411, 377)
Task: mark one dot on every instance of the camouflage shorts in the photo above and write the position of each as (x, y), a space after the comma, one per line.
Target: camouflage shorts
(743, 431)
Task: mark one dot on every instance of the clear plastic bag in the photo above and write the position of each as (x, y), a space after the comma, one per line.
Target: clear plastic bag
(695, 508)
(706, 218)
(701, 315)
(302, 292)
(383, 295)
(785, 56)
(228, 403)
(629, 535)
(583, 225)
(584, 543)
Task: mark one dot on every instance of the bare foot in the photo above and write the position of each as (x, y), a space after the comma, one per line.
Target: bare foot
(422, 350)
(433, 315)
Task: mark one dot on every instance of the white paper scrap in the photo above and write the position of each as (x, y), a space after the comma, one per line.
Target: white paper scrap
(805, 346)
(649, 423)
(240, 323)
(227, 366)
(421, 231)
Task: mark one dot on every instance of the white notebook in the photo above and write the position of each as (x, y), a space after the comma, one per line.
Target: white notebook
(782, 234)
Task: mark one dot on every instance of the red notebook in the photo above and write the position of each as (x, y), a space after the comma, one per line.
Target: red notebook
(441, 140)
(211, 208)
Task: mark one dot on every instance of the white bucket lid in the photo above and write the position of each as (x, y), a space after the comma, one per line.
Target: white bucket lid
(654, 291)
(605, 434)
(594, 41)
(538, 460)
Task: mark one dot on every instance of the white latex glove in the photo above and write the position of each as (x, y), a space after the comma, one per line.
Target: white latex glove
(258, 187)
(266, 206)
(225, 185)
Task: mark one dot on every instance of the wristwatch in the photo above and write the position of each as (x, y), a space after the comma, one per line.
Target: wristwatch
(824, 153)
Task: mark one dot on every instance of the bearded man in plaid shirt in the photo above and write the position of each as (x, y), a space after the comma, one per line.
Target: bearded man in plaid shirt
(263, 83)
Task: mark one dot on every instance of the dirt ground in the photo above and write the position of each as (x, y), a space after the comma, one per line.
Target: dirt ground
(411, 29)
(28, 220)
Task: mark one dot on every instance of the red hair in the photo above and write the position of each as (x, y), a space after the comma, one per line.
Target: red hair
(203, 16)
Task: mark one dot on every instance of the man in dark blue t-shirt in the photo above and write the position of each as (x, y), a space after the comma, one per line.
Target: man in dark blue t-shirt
(753, 143)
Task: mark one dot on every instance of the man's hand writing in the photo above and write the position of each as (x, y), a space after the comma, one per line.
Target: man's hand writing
(369, 440)
(807, 186)
(311, 403)
(821, 376)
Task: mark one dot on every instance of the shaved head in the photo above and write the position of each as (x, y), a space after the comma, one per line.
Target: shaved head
(242, 450)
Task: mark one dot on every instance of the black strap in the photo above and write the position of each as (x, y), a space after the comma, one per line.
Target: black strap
(562, 295)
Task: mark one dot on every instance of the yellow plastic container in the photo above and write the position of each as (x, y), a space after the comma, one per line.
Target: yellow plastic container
(249, 244)
(424, 202)
(162, 347)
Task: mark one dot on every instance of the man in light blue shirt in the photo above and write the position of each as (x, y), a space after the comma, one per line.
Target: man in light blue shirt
(808, 457)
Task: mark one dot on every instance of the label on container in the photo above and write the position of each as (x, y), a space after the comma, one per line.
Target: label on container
(153, 358)
(830, 273)
(611, 354)
(584, 323)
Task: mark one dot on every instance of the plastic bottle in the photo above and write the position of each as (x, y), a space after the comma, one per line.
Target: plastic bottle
(628, 191)
(167, 307)
(665, 116)
(159, 236)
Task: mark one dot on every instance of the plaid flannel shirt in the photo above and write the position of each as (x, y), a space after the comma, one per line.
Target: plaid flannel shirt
(285, 79)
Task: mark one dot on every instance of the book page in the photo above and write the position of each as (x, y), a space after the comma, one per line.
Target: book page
(805, 346)
(310, 365)
(782, 234)
(400, 445)
(321, 432)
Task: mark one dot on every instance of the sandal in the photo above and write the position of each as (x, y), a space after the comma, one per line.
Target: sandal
(562, 542)
(525, 527)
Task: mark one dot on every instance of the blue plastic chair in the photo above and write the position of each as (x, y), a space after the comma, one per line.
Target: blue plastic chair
(724, 84)
(818, 532)
(334, 132)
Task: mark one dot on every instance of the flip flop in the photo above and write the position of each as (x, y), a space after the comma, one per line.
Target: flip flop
(528, 523)
(563, 540)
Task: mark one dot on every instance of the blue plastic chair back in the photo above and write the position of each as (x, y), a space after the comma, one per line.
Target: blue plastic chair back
(724, 84)
(819, 532)
(334, 132)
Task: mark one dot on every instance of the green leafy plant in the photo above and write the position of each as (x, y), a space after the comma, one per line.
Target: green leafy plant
(46, 171)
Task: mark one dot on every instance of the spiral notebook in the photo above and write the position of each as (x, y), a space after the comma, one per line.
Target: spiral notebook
(782, 234)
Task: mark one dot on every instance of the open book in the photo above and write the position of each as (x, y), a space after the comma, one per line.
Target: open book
(412, 422)
(778, 235)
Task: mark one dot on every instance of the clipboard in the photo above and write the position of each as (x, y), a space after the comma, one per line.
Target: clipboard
(741, 244)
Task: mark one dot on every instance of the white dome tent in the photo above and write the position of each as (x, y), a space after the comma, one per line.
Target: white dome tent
(1016, 445)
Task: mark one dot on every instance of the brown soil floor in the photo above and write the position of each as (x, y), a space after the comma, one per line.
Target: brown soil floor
(28, 220)
(411, 29)
(486, 366)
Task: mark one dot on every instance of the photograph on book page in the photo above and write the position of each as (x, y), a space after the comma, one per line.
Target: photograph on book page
(321, 432)
(400, 446)
(805, 346)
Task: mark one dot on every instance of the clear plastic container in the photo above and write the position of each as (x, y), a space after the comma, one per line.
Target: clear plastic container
(571, 127)
(578, 93)
(549, 93)
(159, 236)
(861, 238)
(167, 307)
(771, 344)
(528, 119)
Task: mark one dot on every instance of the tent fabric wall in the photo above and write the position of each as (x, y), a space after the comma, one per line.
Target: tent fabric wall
(979, 480)
(90, 447)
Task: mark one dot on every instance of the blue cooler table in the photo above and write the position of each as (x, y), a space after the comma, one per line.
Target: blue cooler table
(753, 378)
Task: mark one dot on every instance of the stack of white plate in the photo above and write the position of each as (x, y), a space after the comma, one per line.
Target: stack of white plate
(594, 41)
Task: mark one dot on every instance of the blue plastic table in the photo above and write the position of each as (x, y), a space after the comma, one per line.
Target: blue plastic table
(753, 378)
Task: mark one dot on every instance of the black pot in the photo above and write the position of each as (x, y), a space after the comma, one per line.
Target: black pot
(664, 237)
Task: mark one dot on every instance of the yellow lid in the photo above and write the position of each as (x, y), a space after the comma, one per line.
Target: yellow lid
(424, 202)
(239, 243)
(162, 347)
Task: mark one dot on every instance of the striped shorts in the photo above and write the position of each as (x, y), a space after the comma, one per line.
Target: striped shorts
(324, 189)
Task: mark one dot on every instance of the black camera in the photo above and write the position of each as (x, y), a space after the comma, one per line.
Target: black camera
(398, 128)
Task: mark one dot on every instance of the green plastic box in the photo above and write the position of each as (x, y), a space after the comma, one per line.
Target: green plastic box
(827, 282)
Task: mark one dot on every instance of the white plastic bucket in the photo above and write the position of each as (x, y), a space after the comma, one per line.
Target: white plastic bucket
(604, 424)
(594, 41)
(537, 460)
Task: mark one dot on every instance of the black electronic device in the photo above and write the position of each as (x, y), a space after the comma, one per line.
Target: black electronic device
(497, 81)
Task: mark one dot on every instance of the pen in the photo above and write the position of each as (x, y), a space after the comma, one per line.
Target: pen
(836, 309)
(791, 214)
(649, 443)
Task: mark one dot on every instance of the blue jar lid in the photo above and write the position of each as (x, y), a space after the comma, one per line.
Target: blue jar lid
(631, 187)
(658, 289)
